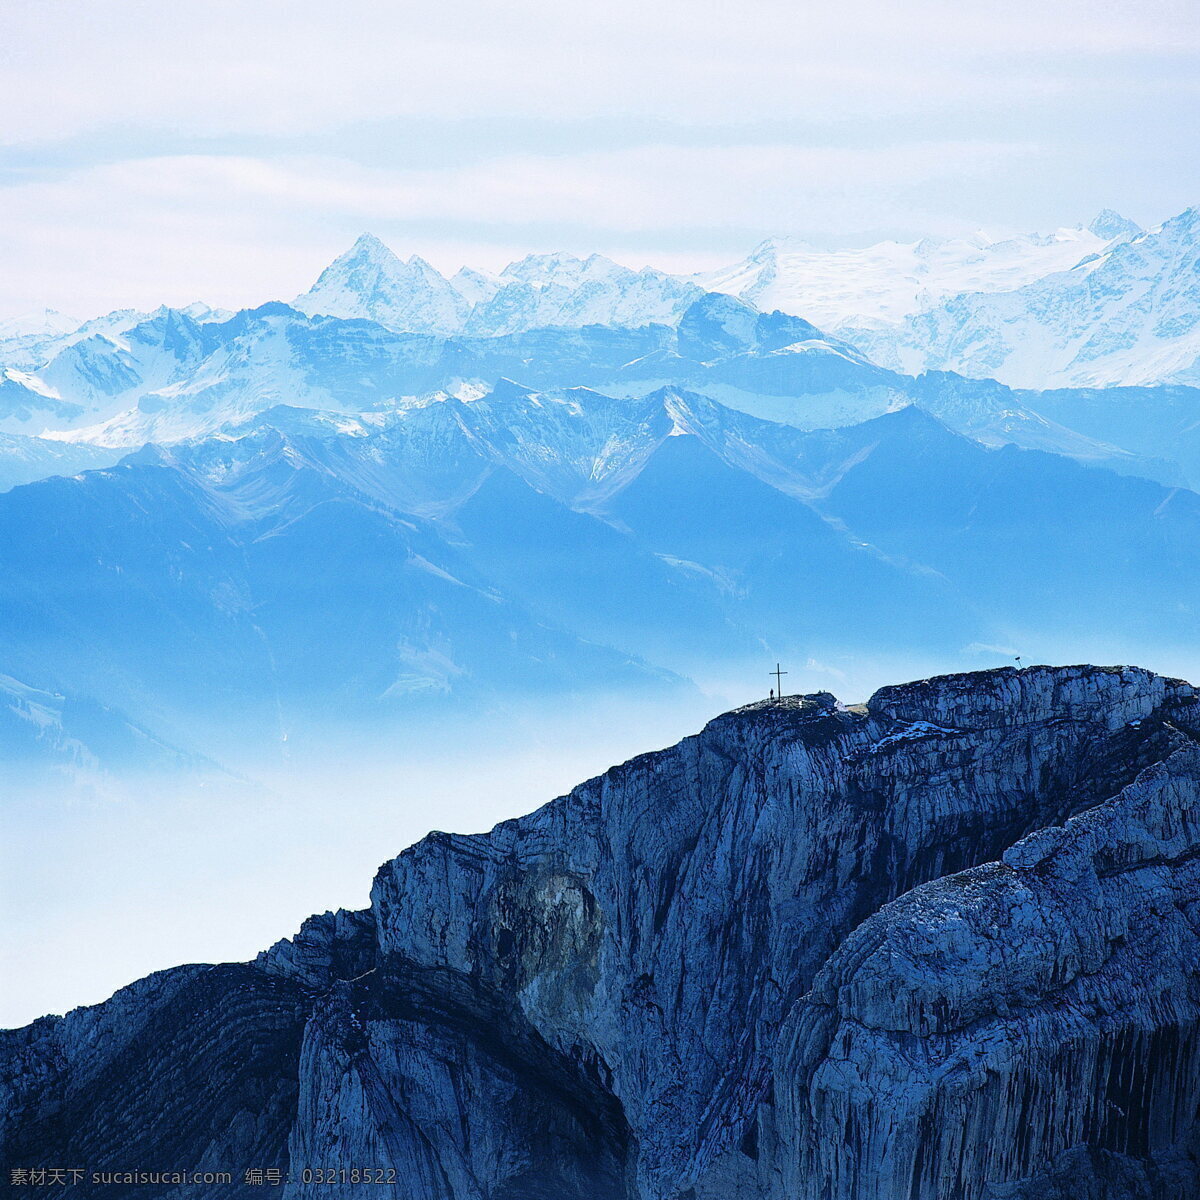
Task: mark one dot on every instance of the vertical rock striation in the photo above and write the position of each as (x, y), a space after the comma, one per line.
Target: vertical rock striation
(943, 946)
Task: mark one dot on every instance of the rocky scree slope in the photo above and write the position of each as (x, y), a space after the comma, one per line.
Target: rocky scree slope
(945, 944)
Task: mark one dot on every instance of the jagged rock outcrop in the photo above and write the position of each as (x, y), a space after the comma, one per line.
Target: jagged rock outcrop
(942, 946)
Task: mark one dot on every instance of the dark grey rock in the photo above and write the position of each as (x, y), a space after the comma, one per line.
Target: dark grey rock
(944, 945)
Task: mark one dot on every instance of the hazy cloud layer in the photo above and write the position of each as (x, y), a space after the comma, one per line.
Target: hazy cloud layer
(152, 152)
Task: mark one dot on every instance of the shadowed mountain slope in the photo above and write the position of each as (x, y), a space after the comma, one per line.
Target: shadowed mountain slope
(324, 568)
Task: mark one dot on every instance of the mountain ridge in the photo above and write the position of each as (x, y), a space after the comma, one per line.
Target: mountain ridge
(893, 299)
(764, 962)
(173, 378)
(1126, 315)
(562, 536)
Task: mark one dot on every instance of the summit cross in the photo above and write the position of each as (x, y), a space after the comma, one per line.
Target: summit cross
(778, 680)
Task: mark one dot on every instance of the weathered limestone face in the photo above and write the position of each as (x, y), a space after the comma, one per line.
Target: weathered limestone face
(944, 946)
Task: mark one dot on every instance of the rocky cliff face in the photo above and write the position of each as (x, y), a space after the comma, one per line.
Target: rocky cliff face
(944, 945)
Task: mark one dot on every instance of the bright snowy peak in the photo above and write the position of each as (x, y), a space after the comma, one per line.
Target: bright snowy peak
(1087, 306)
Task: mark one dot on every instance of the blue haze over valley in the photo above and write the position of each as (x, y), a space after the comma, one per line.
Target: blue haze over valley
(439, 540)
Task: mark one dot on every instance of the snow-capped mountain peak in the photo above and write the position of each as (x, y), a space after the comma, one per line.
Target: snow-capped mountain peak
(565, 270)
(369, 281)
(541, 268)
(1105, 303)
(880, 286)
(1111, 225)
(564, 290)
(1127, 314)
(475, 286)
(45, 322)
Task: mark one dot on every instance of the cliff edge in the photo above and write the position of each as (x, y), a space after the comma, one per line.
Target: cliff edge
(942, 946)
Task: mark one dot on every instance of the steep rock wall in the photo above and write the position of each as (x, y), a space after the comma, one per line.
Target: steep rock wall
(812, 952)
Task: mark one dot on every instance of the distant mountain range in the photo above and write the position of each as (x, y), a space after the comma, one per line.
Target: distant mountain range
(369, 281)
(1099, 305)
(880, 286)
(314, 567)
(175, 375)
(1128, 314)
(270, 521)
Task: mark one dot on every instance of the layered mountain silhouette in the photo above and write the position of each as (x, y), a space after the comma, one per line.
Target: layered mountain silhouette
(319, 568)
(375, 502)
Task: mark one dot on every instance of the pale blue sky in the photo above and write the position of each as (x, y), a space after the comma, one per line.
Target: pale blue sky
(226, 151)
